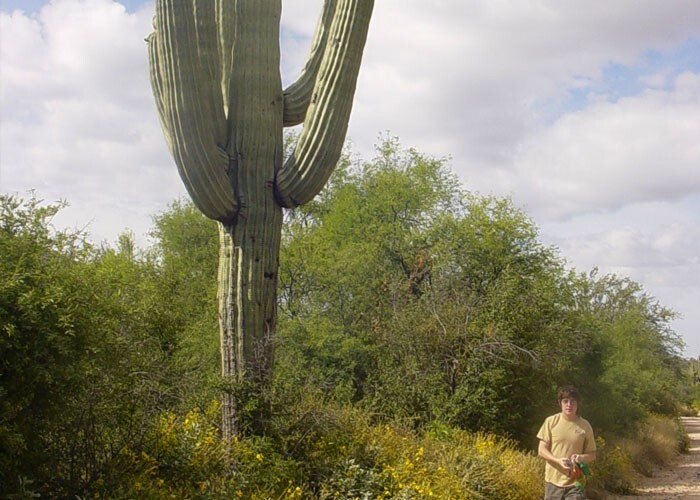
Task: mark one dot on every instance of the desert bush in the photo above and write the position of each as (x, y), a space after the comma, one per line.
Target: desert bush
(345, 453)
(657, 443)
(392, 460)
(182, 455)
(613, 470)
(186, 458)
(683, 438)
(689, 410)
(493, 466)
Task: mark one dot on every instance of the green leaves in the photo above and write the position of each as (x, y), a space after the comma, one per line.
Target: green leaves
(460, 312)
(631, 362)
(442, 288)
(84, 344)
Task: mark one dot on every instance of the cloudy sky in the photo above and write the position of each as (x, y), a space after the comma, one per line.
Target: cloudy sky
(587, 114)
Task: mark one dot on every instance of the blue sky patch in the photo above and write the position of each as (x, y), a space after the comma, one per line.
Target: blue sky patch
(655, 69)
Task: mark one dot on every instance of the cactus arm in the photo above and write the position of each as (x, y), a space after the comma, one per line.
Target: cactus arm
(321, 141)
(185, 81)
(298, 95)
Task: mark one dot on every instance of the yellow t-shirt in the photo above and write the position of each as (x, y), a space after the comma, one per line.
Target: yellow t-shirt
(565, 437)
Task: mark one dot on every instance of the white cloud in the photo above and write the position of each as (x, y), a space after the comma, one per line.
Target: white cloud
(642, 236)
(654, 243)
(638, 149)
(482, 65)
(299, 19)
(78, 116)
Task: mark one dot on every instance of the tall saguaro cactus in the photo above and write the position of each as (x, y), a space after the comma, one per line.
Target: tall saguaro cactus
(215, 74)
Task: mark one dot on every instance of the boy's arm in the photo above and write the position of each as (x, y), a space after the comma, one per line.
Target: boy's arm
(543, 450)
(583, 457)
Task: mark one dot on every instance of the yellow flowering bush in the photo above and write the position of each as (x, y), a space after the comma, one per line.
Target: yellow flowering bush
(186, 458)
(183, 457)
(393, 461)
(326, 453)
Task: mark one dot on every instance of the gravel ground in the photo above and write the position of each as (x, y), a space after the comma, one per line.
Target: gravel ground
(682, 480)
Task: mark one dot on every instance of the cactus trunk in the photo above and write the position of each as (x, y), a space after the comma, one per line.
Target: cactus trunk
(248, 261)
(214, 68)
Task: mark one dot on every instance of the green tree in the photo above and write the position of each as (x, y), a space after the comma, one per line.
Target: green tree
(37, 296)
(185, 250)
(631, 363)
(83, 358)
(343, 251)
(403, 291)
(216, 79)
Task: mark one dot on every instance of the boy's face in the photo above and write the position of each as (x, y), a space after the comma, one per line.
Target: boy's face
(569, 407)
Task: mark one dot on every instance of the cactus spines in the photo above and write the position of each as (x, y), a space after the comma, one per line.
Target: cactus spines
(214, 67)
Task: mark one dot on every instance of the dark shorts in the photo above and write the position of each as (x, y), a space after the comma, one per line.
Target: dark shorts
(553, 492)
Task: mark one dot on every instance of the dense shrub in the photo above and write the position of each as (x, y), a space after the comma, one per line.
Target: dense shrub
(657, 442)
(82, 357)
(340, 455)
(613, 470)
(186, 458)
(346, 455)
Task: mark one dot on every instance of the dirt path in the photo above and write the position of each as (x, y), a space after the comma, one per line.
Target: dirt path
(680, 481)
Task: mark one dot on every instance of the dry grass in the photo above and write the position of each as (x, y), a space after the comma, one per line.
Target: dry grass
(658, 443)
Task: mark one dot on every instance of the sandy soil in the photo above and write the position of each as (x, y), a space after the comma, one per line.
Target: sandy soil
(680, 481)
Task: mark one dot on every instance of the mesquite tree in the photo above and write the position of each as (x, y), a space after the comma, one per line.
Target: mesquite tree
(214, 67)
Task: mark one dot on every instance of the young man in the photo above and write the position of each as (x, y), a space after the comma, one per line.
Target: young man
(566, 440)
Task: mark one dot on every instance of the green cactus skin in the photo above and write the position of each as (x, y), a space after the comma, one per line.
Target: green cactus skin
(214, 67)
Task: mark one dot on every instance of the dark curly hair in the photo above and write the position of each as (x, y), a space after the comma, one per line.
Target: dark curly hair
(568, 392)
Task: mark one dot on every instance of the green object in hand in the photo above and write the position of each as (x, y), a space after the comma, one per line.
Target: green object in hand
(581, 473)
